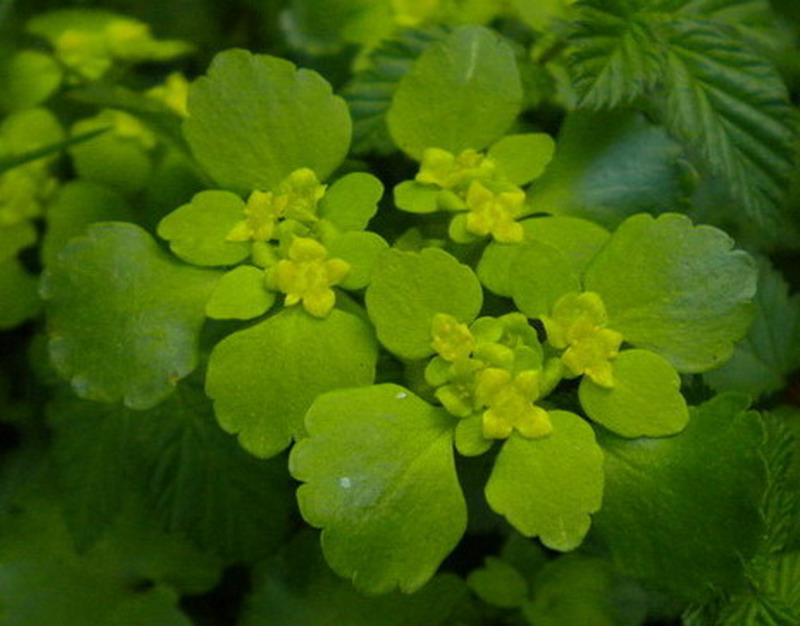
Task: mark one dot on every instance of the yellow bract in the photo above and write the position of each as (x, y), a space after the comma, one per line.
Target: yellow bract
(446, 170)
(452, 339)
(307, 276)
(578, 324)
(510, 404)
(174, 93)
(296, 198)
(495, 213)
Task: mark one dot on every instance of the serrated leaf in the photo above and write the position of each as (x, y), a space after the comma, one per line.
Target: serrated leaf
(463, 92)
(77, 204)
(123, 317)
(522, 158)
(240, 294)
(273, 117)
(298, 587)
(393, 512)
(409, 288)
(668, 504)
(771, 351)
(676, 289)
(264, 378)
(645, 400)
(499, 584)
(549, 487)
(538, 276)
(362, 251)
(351, 201)
(197, 232)
(369, 94)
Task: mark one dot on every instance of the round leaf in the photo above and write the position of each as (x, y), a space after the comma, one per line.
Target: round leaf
(645, 400)
(676, 289)
(415, 197)
(197, 231)
(255, 119)
(264, 378)
(538, 276)
(240, 294)
(361, 250)
(391, 513)
(548, 487)
(523, 158)
(409, 288)
(352, 201)
(123, 316)
(463, 92)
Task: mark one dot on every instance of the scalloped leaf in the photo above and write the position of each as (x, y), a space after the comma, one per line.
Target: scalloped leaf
(523, 158)
(240, 294)
(462, 92)
(254, 119)
(409, 288)
(393, 512)
(645, 400)
(676, 289)
(264, 378)
(548, 487)
(123, 317)
(351, 201)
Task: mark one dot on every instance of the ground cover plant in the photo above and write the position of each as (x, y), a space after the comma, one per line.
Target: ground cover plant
(452, 312)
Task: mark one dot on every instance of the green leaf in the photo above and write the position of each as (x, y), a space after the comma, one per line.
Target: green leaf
(610, 165)
(123, 317)
(77, 204)
(523, 158)
(645, 400)
(240, 294)
(469, 437)
(409, 288)
(18, 298)
(771, 350)
(273, 117)
(298, 588)
(676, 289)
(351, 201)
(669, 503)
(415, 197)
(539, 275)
(32, 77)
(197, 231)
(463, 92)
(264, 378)
(498, 583)
(362, 251)
(369, 94)
(393, 512)
(548, 487)
(16, 237)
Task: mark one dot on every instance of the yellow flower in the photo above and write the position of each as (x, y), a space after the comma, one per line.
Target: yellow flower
(262, 212)
(495, 213)
(307, 276)
(300, 192)
(444, 169)
(510, 404)
(452, 339)
(578, 324)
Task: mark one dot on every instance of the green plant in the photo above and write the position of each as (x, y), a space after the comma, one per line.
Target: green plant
(480, 312)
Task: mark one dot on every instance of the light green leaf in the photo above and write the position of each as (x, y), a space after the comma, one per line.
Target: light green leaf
(538, 276)
(273, 117)
(264, 378)
(415, 197)
(351, 201)
(362, 251)
(77, 204)
(123, 317)
(499, 584)
(409, 288)
(469, 437)
(240, 294)
(539, 14)
(391, 513)
(645, 400)
(771, 351)
(669, 503)
(14, 238)
(32, 77)
(463, 92)
(18, 298)
(298, 588)
(523, 158)
(197, 231)
(676, 289)
(548, 487)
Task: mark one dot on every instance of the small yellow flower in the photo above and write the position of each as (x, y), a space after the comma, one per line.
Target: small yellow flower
(446, 170)
(578, 324)
(495, 213)
(262, 213)
(510, 404)
(300, 193)
(452, 339)
(307, 276)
